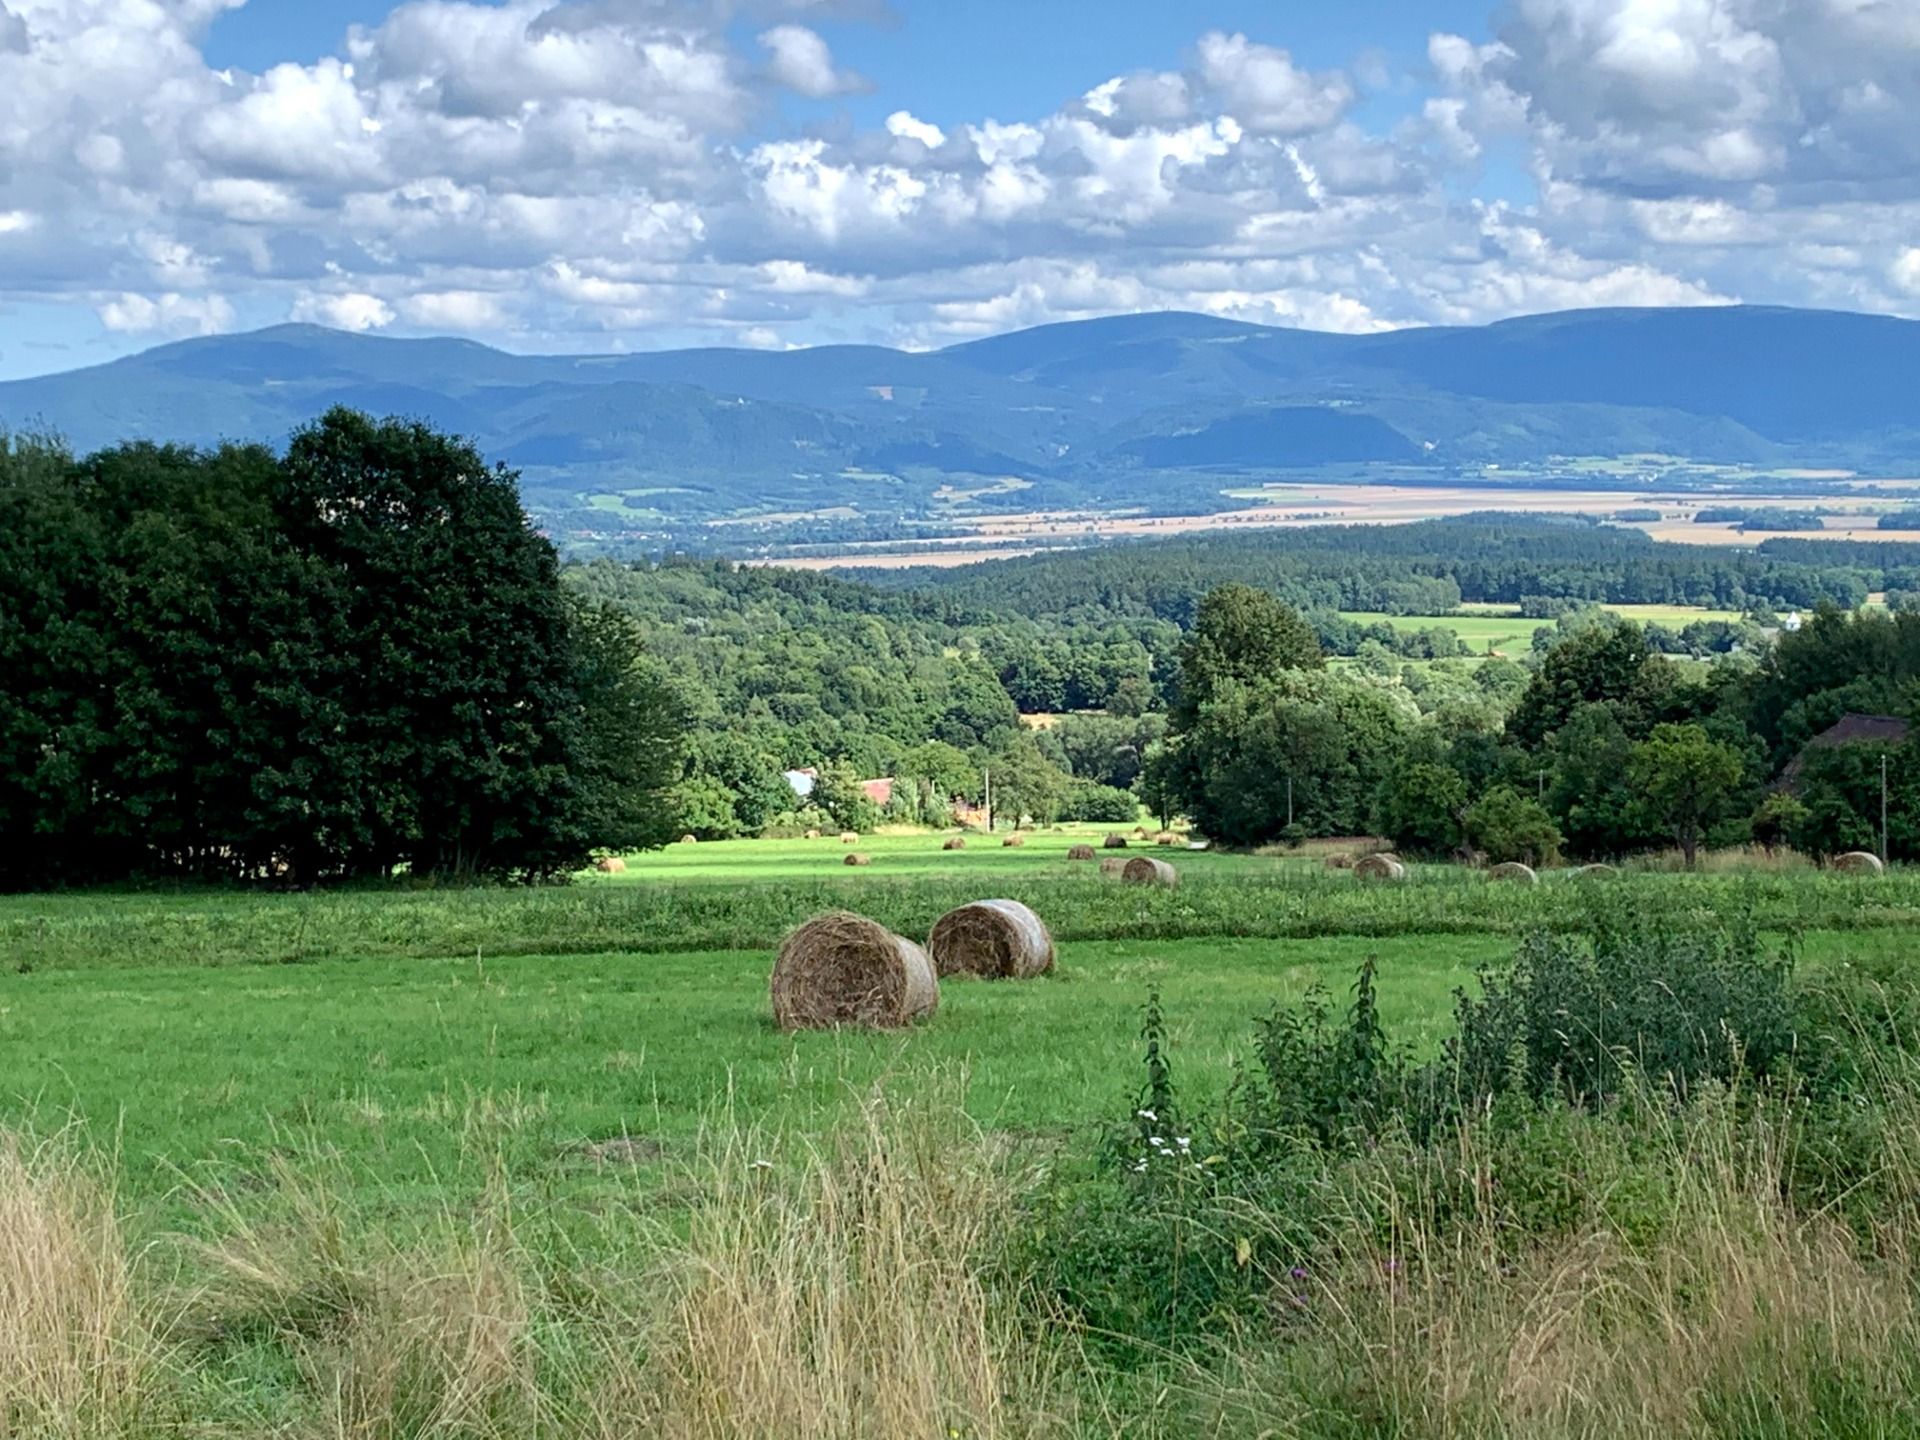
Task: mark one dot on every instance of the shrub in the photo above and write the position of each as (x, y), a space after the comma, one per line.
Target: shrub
(1100, 803)
(1638, 995)
(1506, 825)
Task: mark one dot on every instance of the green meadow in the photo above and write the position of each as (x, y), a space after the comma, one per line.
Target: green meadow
(479, 1164)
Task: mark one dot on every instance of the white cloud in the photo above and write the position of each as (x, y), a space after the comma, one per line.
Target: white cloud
(800, 60)
(1905, 270)
(565, 171)
(350, 311)
(1263, 89)
(167, 314)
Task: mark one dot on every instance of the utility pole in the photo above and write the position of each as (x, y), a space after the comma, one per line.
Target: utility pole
(1883, 809)
(1542, 778)
(1289, 802)
(987, 773)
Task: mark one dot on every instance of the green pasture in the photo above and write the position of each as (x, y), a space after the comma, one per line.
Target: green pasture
(421, 1080)
(410, 1036)
(1502, 628)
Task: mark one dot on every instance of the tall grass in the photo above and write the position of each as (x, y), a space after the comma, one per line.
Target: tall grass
(226, 928)
(848, 1299)
(861, 1286)
(1701, 1304)
(79, 1354)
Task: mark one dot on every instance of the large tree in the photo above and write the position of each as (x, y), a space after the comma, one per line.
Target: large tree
(1686, 779)
(1243, 636)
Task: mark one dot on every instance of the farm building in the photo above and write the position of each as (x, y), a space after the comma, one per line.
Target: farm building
(1847, 730)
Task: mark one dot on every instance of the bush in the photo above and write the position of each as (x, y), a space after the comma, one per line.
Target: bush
(1100, 803)
(1637, 997)
(1506, 825)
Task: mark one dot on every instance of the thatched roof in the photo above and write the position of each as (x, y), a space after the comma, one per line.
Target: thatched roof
(1847, 730)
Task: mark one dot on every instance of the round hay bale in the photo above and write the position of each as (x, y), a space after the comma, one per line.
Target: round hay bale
(995, 939)
(1166, 837)
(813, 834)
(1140, 832)
(1145, 870)
(1112, 865)
(1013, 841)
(1514, 871)
(689, 839)
(610, 865)
(856, 858)
(1115, 841)
(1379, 867)
(1858, 862)
(1593, 872)
(1339, 862)
(844, 969)
(1080, 852)
(849, 837)
(955, 842)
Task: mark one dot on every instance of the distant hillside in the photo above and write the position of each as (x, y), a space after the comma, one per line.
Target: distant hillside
(1150, 409)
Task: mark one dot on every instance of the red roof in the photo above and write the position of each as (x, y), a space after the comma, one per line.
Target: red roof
(878, 791)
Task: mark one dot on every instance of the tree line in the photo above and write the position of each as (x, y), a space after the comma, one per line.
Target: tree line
(1602, 747)
(335, 663)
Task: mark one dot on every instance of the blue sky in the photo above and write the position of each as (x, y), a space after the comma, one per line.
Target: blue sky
(619, 174)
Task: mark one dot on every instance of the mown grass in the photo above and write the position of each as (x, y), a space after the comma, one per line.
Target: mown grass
(489, 1163)
(651, 911)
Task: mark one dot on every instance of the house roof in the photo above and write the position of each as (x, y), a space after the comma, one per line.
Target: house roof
(1850, 729)
(878, 791)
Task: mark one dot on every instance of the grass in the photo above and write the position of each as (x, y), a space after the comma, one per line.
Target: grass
(510, 1162)
(1501, 628)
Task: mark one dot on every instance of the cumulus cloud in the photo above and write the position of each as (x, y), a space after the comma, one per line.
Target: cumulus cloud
(562, 172)
(167, 314)
(349, 311)
(799, 59)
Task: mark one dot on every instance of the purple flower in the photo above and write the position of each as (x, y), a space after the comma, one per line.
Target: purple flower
(1299, 1272)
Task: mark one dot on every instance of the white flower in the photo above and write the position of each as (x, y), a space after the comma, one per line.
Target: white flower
(1183, 1142)
(1146, 1115)
(761, 1165)
(1156, 1142)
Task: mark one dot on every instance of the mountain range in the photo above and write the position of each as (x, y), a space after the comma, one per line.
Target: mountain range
(1152, 408)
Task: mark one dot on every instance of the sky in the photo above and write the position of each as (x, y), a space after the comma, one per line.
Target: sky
(599, 175)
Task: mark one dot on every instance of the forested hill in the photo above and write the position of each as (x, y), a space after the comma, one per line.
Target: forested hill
(1149, 410)
(1421, 569)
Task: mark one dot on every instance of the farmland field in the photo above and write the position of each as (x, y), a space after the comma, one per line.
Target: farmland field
(1502, 629)
(337, 1123)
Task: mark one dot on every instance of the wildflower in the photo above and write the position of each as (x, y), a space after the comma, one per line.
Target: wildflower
(761, 1165)
(1156, 1142)
(1183, 1142)
(1145, 1115)
(1298, 1272)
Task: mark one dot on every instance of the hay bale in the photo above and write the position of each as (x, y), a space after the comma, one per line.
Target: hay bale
(995, 939)
(689, 839)
(813, 835)
(1858, 862)
(843, 969)
(1379, 867)
(1140, 832)
(610, 865)
(849, 837)
(1166, 837)
(1339, 862)
(1145, 870)
(1593, 872)
(1112, 865)
(1013, 841)
(856, 858)
(1514, 871)
(955, 842)
(1080, 852)
(1114, 842)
